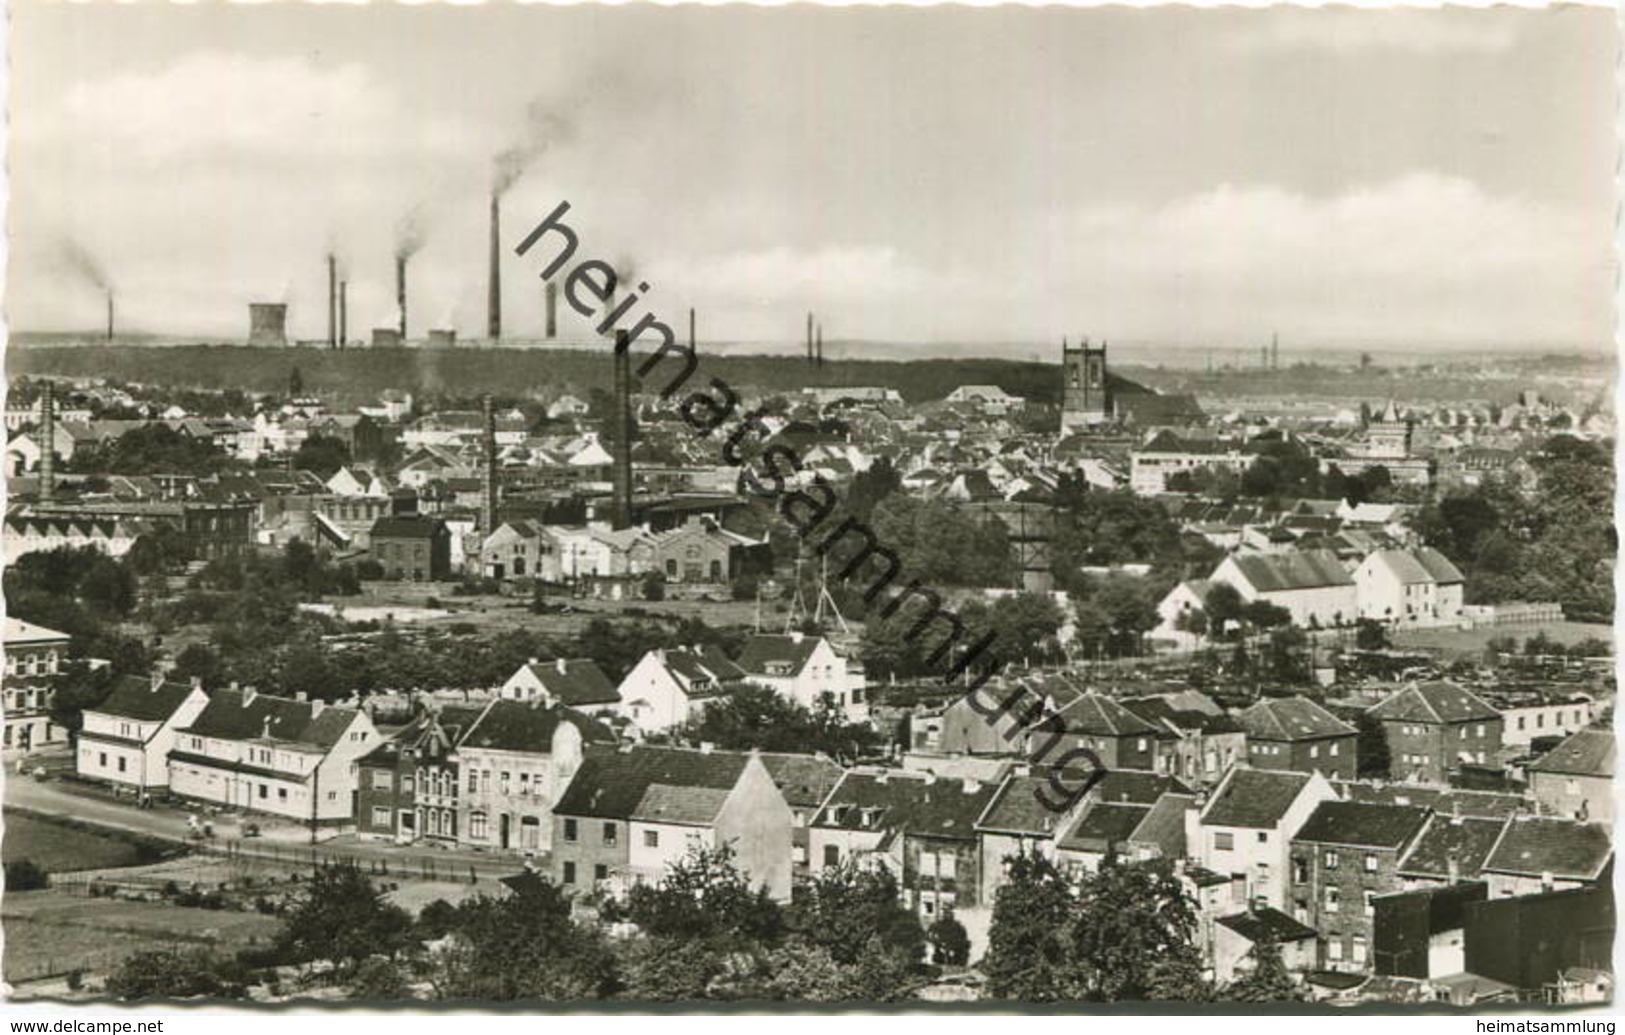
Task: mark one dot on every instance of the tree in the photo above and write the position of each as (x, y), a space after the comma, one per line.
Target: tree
(342, 917)
(1371, 747)
(705, 896)
(1134, 921)
(322, 455)
(1225, 606)
(950, 945)
(379, 977)
(849, 910)
(1370, 634)
(1264, 615)
(1267, 981)
(26, 875)
(1028, 957)
(172, 974)
(523, 947)
(753, 716)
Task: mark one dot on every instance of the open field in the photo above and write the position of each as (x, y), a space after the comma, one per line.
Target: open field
(59, 846)
(1474, 640)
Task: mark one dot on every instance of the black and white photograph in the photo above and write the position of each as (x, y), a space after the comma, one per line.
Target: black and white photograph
(809, 509)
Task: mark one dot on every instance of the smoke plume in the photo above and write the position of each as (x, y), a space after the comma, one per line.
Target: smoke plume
(82, 263)
(410, 233)
(545, 128)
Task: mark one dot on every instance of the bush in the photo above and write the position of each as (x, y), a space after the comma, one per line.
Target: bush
(369, 570)
(26, 875)
(76, 980)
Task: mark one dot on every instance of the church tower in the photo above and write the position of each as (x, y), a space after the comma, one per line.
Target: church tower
(1086, 390)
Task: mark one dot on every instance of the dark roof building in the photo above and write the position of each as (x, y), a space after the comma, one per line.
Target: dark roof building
(1362, 825)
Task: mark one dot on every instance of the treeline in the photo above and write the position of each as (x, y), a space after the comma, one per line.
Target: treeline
(361, 374)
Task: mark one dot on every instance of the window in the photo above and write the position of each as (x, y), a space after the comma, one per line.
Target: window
(503, 782)
(1370, 905)
(380, 817)
(382, 781)
(1334, 949)
(832, 855)
(265, 791)
(569, 873)
(651, 839)
(281, 794)
(570, 830)
(1314, 750)
(407, 785)
(1370, 863)
(1334, 749)
(600, 872)
(1520, 722)
(1223, 841)
(121, 762)
(476, 826)
(1334, 899)
(1358, 948)
(1480, 730)
(609, 833)
(1331, 859)
(1300, 871)
(1263, 837)
(102, 759)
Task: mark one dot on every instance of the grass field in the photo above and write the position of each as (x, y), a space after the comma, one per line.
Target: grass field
(60, 846)
(1474, 640)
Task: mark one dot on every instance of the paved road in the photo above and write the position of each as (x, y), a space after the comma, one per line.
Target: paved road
(55, 797)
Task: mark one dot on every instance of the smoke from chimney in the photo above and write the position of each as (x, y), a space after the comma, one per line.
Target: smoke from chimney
(550, 298)
(622, 484)
(493, 306)
(47, 455)
(400, 292)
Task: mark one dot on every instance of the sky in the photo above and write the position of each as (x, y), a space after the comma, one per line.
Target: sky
(1377, 178)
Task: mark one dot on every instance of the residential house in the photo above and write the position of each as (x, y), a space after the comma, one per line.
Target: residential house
(805, 781)
(1236, 936)
(572, 682)
(626, 816)
(1296, 734)
(1204, 744)
(1526, 716)
(515, 761)
(1538, 854)
(1345, 855)
(1177, 614)
(126, 739)
(1166, 454)
(412, 547)
(515, 551)
(1095, 722)
(1432, 728)
(290, 758)
(807, 670)
(668, 687)
(407, 787)
(1244, 830)
(40, 533)
(921, 827)
(1576, 778)
(34, 656)
(702, 552)
(1452, 848)
(1312, 585)
(1409, 587)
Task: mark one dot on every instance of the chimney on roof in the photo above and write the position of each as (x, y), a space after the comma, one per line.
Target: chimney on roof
(317, 707)
(248, 695)
(930, 778)
(882, 776)
(265, 728)
(197, 682)
(972, 785)
(301, 696)
(1453, 868)
(562, 666)
(706, 747)
(157, 680)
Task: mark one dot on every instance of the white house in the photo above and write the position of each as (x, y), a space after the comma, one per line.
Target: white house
(573, 682)
(1311, 584)
(1409, 587)
(1246, 830)
(270, 754)
(667, 687)
(1175, 610)
(807, 670)
(126, 740)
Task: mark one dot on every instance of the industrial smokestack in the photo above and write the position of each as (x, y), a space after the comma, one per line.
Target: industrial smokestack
(622, 484)
(400, 292)
(819, 347)
(110, 316)
(809, 337)
(332, 302)
(493, 315)
(47, 453)
(691, 329)
(344, 312)
(267, 323)
(488, 468)
(551, 297)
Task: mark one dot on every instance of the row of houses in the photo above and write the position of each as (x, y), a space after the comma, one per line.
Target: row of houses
(1409, 587)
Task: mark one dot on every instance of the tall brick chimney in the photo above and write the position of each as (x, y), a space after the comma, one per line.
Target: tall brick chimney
(622, 483)
(488, 468)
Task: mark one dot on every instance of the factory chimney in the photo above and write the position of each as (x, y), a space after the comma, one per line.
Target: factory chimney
(493, 305)
(332, 302)
(809, 337)
(400, 292)
(110, 317)
(344, 313)
(819, 354)
(488, 467)
(690, 328)
(47, 453)
(622, 499)
(551, 298)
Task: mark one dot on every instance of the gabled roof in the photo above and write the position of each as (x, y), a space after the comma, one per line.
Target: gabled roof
(1016, 807)
(407, 526)
(529, 726)
(1466, 839)
(804, 780)
(1435, 702)
(763, 649)
(1438, 565)
(1588, 752)
(1097, 715)
(1533, 846)
(1362, 824)
(450, 723)
(1445, 801)
(658, 784)
(1164, 825)
(1294, 570)
(574, 682)
(143, 700)
(16, 632)
(703, 663)
(243, 715)
(899, 800)
(1291, 719)
(1254, 798)
(1104, 825)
